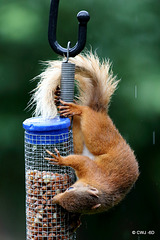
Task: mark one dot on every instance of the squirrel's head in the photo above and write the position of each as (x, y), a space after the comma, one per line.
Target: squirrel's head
(79, 198)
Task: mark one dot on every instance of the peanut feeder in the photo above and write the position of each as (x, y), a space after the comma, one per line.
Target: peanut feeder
(45, 220)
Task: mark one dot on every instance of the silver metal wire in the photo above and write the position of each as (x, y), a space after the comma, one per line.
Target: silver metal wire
(45, 220)
(68, 47)
(67, 81)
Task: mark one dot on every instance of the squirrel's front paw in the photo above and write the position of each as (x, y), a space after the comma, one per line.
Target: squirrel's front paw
(56, 160)
(69, 109)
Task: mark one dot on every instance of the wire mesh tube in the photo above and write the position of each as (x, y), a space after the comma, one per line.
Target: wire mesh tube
(45, 220)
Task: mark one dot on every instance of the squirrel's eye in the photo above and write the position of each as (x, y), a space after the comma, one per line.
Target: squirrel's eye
(70, 188)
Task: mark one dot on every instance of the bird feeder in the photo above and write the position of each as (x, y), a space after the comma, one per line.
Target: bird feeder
(45, 220)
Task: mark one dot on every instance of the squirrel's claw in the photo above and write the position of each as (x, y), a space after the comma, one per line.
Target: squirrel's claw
(69, 109)
(56, 159)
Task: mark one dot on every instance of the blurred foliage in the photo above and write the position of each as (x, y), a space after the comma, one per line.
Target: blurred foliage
(126, 32)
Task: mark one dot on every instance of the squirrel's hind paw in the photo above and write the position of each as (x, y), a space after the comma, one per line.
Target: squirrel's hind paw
(57, 94)
(69, 109)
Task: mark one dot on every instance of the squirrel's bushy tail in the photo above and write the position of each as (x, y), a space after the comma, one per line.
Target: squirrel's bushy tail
(95, 82)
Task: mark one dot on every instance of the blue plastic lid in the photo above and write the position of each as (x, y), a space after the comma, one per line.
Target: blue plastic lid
(46, 131)
(40, 124)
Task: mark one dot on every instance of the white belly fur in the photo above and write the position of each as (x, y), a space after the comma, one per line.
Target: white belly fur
(87, 153)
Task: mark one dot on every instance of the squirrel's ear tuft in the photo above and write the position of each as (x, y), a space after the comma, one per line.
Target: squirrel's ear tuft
(96, 206)
(93, 192)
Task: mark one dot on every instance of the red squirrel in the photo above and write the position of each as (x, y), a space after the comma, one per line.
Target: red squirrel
(104, 163)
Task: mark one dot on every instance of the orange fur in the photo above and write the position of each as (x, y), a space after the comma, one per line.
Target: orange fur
(95, 82)
(104, 181)
(77, 135)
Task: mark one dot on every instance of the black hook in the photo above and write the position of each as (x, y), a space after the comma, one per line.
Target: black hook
(83, 17)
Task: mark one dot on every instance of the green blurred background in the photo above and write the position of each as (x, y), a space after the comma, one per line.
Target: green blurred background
(126, 32)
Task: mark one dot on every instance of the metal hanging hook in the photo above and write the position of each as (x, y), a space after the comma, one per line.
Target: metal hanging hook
(68, 47)
(83, 18)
